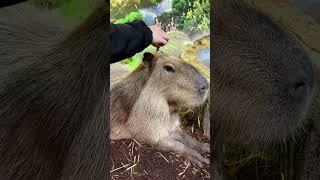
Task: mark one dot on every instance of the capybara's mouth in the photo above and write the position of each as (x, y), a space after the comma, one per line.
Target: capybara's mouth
(197, 100)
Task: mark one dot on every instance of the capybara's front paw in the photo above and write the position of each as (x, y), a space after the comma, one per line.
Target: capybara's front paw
(196, 157)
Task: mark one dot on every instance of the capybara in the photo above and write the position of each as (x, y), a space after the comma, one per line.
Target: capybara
(262, 82)
(54, 88)
(144, 104)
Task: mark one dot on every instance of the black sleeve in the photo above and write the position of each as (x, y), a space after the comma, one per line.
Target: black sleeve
(10, 3)
(128, 39)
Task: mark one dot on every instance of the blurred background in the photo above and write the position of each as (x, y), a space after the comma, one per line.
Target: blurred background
(73, 10)
(186, 21)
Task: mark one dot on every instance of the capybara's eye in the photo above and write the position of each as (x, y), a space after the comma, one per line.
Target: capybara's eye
(169, 68)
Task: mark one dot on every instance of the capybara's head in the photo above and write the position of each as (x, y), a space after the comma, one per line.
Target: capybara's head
(179, 82)
(262, 80)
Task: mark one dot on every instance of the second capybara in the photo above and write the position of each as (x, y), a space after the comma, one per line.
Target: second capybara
(144, 104)
(53, 93)
(263, 80)
(263, 83)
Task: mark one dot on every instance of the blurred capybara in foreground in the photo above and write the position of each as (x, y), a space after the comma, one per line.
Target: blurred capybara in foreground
(262, 79)
(53, 94)
(144, 104)
(263, 82)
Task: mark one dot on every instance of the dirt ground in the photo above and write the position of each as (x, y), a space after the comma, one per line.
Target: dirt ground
(133, 160)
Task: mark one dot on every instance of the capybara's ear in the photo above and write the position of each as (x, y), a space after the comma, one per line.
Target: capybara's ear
(148, 59)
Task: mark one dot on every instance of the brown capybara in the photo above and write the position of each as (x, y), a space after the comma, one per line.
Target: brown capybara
(262, 82)
(144, 104)
(53, 94)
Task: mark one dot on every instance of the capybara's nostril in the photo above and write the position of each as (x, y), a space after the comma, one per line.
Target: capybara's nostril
(298, 90)
(203, 87)
(298, 86)
(299, 83)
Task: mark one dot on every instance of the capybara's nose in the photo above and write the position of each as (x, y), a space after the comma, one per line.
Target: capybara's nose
(298, 90)
(299, 84)
(203, 88)
(203, 85)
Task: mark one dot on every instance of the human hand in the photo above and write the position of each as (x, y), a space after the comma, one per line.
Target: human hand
(112, 20)
(159, 37)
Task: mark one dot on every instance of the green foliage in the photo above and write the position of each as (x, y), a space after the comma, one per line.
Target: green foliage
(77, 9)
(130, 17)
(120, 8)
(198, 16)
(189, 15)
(132, 62)
(73, 9)
(136, 60)
(180, 6)
(154, 2)
(175, 11)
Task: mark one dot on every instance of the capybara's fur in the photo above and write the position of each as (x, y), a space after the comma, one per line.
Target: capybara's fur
(54, 89)
(145, 104)
(206, 118)
(262, 83)
(119, 72)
